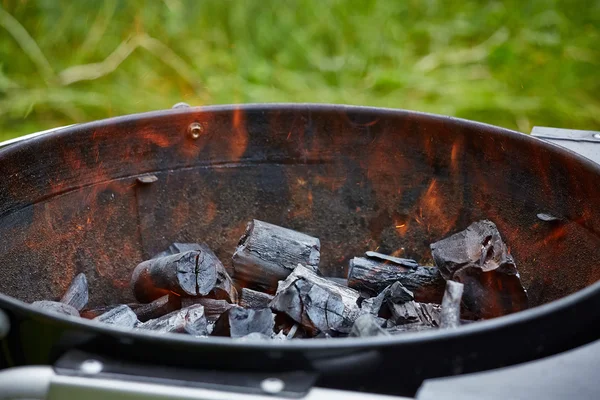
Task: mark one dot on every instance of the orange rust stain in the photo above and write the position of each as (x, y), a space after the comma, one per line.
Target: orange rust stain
(211, 212)
(238, 141)
(156, 138)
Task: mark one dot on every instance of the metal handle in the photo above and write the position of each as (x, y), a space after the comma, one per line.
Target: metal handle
(41, 383)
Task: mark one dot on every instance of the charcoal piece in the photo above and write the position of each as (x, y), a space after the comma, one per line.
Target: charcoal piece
(189, 320)
(120, 316)
(238, 321)
(159, 307)
(404, 262)
(57, 307)
(252, 299)
(176, 248)
(268, 253)
(257, 336)
(91, 313)
(413, 327)
(372, 276)
(478, 258)
(317, 303)
(191, 273)
(413, 312)
(394, 294)
(213, 308)
(77, 294)
(338, 280)
(450, 312)
(368, 325)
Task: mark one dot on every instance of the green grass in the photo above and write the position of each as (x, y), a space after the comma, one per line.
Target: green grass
(511, 63)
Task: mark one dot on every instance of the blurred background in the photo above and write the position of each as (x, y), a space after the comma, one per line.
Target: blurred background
(515, 63)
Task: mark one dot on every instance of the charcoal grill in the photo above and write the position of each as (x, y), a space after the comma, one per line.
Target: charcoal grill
(356, 177)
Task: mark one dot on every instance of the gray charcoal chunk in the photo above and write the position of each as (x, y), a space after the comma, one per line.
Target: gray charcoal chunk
(57, 307)
(77, 294)
(238, 321)
(368, 325)
(122, 315)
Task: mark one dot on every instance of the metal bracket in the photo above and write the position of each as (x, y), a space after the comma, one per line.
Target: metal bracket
(585, 143)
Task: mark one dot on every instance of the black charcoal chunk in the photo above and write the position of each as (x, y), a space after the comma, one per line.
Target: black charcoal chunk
(191, 273)
(450, 312)
(213, 308)
(368, 325)
(415, 313)
(237, 322)
(268, 253)
(120, 316)
(478, 258)
(189, 320)
(57, 307)
(159, 307)
(253, 299)
(372, 276)
(404, 262)
(317, 303)
(77, 294)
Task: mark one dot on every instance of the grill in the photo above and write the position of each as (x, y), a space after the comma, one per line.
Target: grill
(71, 201)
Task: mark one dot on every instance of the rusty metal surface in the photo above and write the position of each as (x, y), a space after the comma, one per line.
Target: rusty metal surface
(359, 179)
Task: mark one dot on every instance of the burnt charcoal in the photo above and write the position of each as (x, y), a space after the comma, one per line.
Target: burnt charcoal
(378, 305)
(478, 258)
(121, 316)
(191, 273)
(450, 313)
(403, 262)
(77, 294)
(56, 307)
(190, 320)
(213, 308)
(176, 248)
(338, 280)
(252, 299)
(257, 336)
(317, 303)
(268, 253)
(413, 327)
(413, 312)
(91, 313)
(289, 327)
(238, 321)
(372, 276)
(158, 308)
(368, 325)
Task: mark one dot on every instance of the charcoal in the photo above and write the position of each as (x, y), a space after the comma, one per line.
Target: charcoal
(252, 299)
(159, 307)
(403, 262)
(176, 248)
(189, 320)
(268, 253)
(57, 307)
(372, 276)
(478, 258)
(450, 312)
(378, 305)
(77, 294)
(368, 325)
(213, 308)
(338, 280)
(317, 303)
(413, 327)
(238, 321)
(91, 313)
(413, 312)
(191, 273)
(120, 316)
(255, 336)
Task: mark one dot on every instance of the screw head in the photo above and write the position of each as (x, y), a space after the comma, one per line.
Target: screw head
(195, 130)
(272, 385)
(91, 367)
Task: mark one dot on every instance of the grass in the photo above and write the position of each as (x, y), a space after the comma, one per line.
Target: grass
(511, 63)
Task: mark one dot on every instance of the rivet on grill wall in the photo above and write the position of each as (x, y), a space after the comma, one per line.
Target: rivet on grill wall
(195, 130)
(91, 367)
(272, 385)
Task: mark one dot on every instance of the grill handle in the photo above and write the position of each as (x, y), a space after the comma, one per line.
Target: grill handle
(42, 383)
